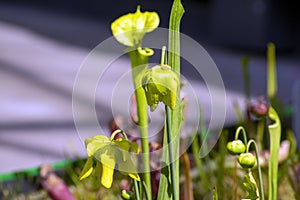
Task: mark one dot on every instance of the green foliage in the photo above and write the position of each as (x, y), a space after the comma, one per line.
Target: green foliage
(129, 30)
(177, 12)
(161, 84)
(272, 75)
(275, 136)
(245, 65)
(250, 186)
(221, 164)
(215, 194)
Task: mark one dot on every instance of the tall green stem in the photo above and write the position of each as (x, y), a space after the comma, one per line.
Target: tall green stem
(171, 151)
(245, 65)
(136, 190)
(258, 168)
(272, 75)
(199, 164)
(139, 62)
(221, 164)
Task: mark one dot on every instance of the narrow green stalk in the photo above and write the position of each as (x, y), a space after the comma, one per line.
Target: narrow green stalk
(146, 190)
(260, 134)
(245, 65)
(204, 145)
(220, 163)
(139, 62)
(199, 164)
(262, 196)
(235, 178)
(203, 133)
(171, 151)
(136, 190)
(168, 125)
(215, 194)
(272, 77)
(237, 132)
(239, 113)
(163, 56)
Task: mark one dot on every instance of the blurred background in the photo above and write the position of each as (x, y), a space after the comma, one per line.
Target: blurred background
(43, 43)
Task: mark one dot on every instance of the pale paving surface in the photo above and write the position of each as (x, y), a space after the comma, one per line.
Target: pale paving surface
(37, 77)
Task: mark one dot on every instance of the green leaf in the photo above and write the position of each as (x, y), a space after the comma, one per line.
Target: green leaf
(87, 169)
(272, 75)
(174, 61)
(246, 77)
(215, 194)
(250, 186)
(221, 163)
(275, 136)
(293, 143)
(130, 29)
(174, 36)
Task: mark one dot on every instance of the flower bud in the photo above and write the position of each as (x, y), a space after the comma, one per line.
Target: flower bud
(247, 160)
(259, 110)
(236, 147)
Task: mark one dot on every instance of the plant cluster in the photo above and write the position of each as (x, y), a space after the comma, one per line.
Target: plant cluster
(214, 172)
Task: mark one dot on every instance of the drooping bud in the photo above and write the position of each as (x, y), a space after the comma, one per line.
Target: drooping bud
(247, 160)
(160, 84)
(236, 147)
(259, 108)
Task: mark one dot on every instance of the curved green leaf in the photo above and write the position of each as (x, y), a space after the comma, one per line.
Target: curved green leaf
(275, 136)
(250, 186)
